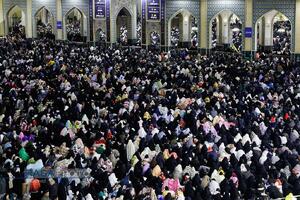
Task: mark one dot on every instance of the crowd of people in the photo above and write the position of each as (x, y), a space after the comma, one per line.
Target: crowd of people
(237, 34)
(175, 36)
(282, 37)
(214, 35)
(18, 30)
(146, 125)
(139, 31)
(101, 36)
(154, 38)
(123, 35)
(194, 33)
(194, 38)
(45, 30)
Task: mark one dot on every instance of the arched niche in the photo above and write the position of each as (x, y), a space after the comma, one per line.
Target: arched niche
(225, 32)
(75, 25)
(16, 20)
(180, 27)
(176, 30)
(123, 25)
(43, 23)
(273, 33)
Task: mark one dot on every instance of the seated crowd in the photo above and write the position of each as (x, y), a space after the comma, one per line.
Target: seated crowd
(146, 125)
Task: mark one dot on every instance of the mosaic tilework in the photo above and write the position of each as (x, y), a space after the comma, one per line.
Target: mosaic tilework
(172, 6)
(216, 6)
(8, 4)
(83, 5)
(49, 4)
(286, 7)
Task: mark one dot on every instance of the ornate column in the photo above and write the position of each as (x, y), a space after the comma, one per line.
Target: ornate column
(91, 20)
(225, 27)
(219, 30)
(133, 23)
(268, 32)
(44, 16)
(204, 27)
(268, 29)
(113, 21)
(297, 31)
(248, 23)
(186, 29)
(1, 19)
(261, 25)
(59, 30)
(29, 19)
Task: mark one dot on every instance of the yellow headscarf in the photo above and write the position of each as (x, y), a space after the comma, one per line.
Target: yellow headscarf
(147, 116)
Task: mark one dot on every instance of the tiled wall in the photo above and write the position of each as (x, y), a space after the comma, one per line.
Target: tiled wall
(286, 7)
(83, 5)
(8, 4)
(216, 6)
(48, 4)
(172, 6)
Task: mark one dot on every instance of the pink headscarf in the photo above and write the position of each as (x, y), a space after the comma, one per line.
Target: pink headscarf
(173, 184)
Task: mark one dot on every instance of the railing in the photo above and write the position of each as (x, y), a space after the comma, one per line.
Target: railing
(297, 197)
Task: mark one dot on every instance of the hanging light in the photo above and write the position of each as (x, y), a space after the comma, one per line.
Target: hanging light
(235, 29)
(194, 28)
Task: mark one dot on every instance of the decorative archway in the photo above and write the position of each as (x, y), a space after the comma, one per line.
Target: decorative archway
(123, 25)
(181, 26)
(75, 26)
(273, 33)
(176, 30)
(43, 23)
(16, 20)
(225, 31)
